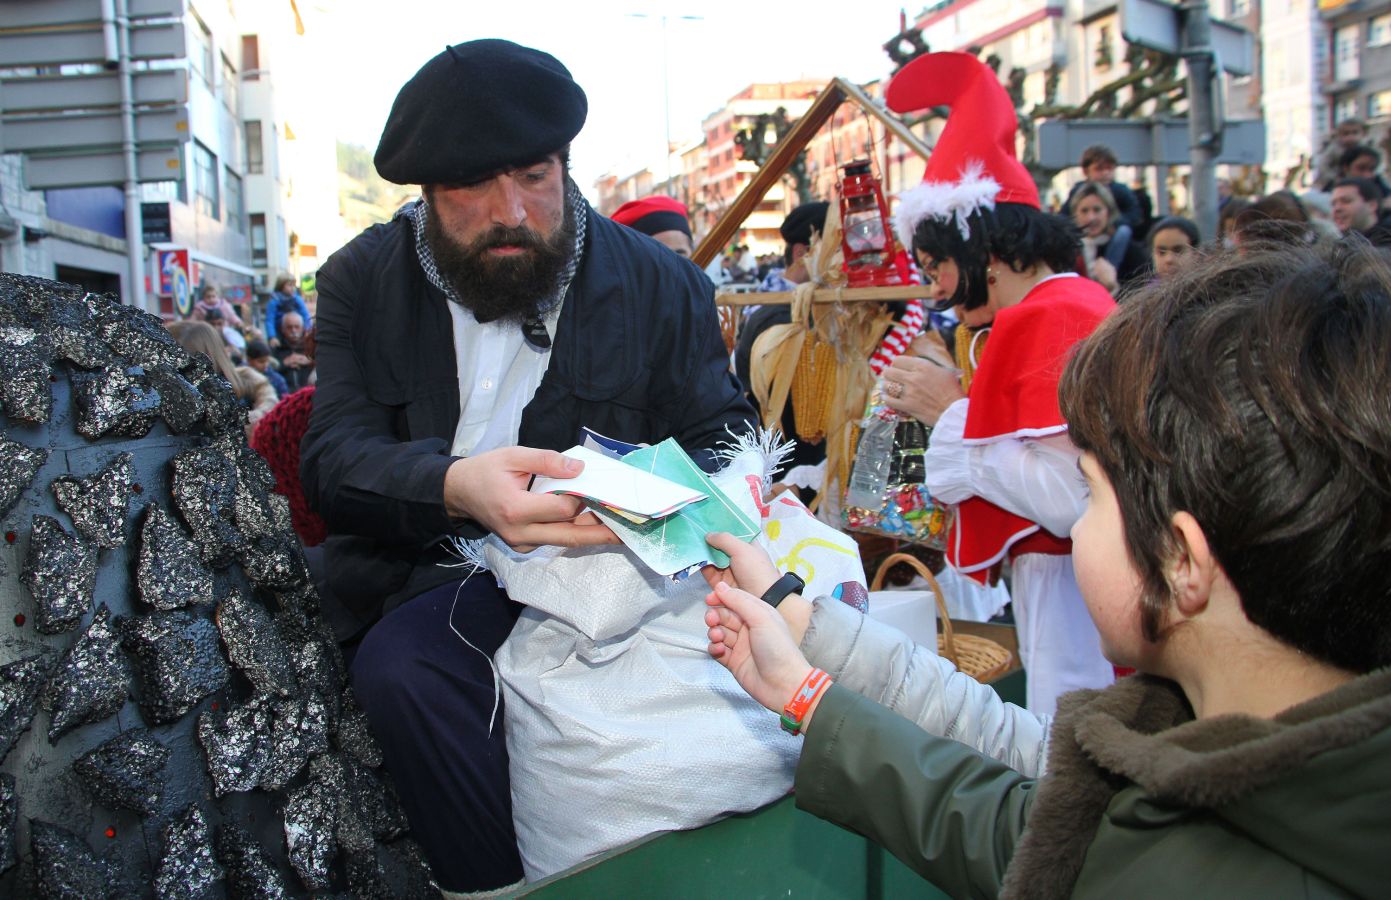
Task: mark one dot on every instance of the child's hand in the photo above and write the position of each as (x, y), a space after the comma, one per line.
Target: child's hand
(750, 569)
(748, 637)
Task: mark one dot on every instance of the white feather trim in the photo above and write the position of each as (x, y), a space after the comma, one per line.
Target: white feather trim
(768, 443)
(945, 201)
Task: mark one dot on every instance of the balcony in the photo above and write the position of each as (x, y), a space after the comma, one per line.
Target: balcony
(1347, 85)
(1332, 9)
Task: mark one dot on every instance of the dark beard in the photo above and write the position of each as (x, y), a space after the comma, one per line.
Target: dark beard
(514, 288)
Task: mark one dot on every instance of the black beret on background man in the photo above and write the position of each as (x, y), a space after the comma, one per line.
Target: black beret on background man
(460, 347)
(797, 227)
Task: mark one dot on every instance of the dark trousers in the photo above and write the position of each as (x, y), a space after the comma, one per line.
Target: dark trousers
(429, 697)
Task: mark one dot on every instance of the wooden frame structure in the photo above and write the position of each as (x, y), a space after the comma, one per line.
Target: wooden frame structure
(837, 92)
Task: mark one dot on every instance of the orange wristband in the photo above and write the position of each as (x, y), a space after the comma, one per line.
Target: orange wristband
(813, 686)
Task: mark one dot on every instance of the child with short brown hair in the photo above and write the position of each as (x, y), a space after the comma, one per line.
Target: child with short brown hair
(1236, 549)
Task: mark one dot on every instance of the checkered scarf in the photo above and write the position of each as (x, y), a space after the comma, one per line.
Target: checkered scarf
(417, 211)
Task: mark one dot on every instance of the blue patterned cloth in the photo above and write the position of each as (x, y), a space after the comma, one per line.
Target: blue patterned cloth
(774, 281)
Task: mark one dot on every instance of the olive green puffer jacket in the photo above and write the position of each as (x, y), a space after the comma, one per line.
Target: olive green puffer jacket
(1140, 799)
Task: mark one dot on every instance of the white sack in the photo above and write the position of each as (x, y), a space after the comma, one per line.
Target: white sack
(619, 724)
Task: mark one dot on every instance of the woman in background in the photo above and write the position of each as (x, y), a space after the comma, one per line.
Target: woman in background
(250, 386)
(999, 452)
(209, 299)
(1114, 256)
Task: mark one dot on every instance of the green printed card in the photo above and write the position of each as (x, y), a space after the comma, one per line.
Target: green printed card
(676, 542)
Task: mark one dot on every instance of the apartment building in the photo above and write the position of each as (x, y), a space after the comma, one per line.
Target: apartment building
(727, 172)
(295, 215)
(1294, 66)
(256, 196)
(207, 208)
(1358, 43)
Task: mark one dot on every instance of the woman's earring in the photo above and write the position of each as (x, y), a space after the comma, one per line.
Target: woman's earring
(990, 278)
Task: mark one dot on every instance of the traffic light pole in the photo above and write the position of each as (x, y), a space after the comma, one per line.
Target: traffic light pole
(119, 10)
(1205, 132)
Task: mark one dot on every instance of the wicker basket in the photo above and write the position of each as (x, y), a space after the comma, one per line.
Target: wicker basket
(981, 658)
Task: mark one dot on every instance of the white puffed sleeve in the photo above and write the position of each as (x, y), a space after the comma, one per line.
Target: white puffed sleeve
(882, 663)
(1036, 478)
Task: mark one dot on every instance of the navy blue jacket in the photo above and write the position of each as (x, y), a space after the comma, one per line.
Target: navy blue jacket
(638, 356)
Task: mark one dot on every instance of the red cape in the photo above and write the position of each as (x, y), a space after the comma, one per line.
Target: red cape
(1015, 395)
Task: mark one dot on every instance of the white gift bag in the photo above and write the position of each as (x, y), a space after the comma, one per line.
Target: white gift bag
(619, 723)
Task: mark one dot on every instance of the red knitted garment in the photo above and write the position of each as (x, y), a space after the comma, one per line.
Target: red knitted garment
(277, 438)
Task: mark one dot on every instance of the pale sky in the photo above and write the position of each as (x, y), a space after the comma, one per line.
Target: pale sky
(375, 46)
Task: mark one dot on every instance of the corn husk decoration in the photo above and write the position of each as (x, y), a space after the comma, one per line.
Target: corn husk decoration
(821, 363)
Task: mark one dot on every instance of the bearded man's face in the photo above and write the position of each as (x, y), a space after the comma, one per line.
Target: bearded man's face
(503, 242)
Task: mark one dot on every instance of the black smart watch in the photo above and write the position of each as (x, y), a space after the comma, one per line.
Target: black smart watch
(787, 584)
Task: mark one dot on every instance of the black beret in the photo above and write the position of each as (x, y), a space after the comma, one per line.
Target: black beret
(796, 228)
(476, 109)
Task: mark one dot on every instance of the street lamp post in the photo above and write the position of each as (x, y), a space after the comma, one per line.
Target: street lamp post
(666, 84)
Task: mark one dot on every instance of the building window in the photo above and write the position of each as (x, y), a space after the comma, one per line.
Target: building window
(1345, 49)
(251, 57)
(1379, 104)
(232, 191)
(1344, 109)
(1103, 47)
(205, 194)
(1379, 31)
(275, 151)
(231, 88)
(255, 153)
(258, 238)
(200, 57)
(1238, 8)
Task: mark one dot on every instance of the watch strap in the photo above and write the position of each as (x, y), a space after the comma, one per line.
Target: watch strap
(778, 591)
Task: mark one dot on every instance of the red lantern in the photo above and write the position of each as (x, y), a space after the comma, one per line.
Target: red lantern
(866, 232)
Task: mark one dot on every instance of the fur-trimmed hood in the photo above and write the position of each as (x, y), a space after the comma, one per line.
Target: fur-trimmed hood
(1310, 786)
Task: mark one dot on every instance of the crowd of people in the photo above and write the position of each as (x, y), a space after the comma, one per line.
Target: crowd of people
(1125, 248)
(1179, 452)
(740, 267)
(272, 372)
(263, 365)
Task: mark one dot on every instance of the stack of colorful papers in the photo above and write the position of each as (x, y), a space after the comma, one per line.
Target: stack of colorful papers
(622, 489)
(657, 501)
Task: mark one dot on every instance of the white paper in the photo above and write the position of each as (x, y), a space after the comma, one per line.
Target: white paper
(616, 484)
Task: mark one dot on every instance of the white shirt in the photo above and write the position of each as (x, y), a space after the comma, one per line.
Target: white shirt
(498, 375)
(1036, 478)
(498, 370)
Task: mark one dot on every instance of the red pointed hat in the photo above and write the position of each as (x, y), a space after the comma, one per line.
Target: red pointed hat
(973, 165)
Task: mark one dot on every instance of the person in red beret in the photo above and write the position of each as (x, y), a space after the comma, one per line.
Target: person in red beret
(664, 219)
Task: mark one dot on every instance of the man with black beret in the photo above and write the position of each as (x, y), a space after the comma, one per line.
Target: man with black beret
(662, 218)
(461, 346)
(796, 230)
